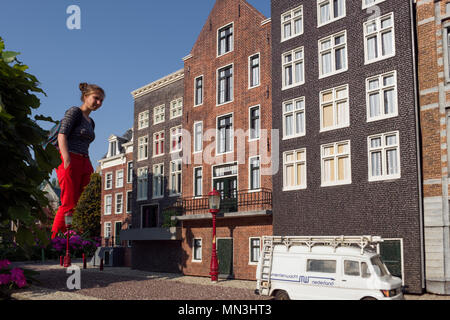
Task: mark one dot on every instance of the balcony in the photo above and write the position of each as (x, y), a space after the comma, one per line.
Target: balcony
(243, 203)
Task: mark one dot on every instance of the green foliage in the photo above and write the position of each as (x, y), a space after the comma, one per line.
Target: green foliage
(24, 162)
(86, 217)
(167, 215)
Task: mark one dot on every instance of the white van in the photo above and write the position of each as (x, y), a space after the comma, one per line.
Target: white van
(322, 268)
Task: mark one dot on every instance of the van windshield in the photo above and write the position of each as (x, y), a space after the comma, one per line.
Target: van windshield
(379, 267)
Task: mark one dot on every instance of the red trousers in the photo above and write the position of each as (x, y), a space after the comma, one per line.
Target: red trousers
(72, 182)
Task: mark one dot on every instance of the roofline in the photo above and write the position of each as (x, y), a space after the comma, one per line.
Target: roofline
(155, 85)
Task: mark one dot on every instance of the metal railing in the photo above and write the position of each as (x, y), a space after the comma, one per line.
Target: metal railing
(235, 201)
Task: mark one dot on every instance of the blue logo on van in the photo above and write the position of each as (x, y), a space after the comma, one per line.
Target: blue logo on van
(320, 281)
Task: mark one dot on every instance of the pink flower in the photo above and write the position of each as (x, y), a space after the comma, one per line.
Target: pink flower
(21, 283)
(4, 263)
(5, 279)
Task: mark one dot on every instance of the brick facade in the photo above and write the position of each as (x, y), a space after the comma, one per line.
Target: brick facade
(251, 35)
(390, 208)
(433, 22)
(150, 251)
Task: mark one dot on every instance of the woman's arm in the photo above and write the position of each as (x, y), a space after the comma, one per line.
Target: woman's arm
(64, 149)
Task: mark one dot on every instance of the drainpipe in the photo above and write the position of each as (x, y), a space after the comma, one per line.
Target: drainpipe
(418, 139)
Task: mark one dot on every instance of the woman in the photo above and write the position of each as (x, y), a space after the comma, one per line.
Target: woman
(74, 138)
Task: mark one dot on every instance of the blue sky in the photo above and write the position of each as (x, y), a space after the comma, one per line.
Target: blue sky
(121, 46)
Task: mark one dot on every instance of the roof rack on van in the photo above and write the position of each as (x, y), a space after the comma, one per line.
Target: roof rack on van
(333, 241)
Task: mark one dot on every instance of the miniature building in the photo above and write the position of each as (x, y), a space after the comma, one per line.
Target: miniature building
(433, 30)
(227, 103)
(117, 194)
(344, 103)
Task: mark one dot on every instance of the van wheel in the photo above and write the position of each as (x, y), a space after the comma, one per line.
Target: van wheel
(369, 298)
(281, 295)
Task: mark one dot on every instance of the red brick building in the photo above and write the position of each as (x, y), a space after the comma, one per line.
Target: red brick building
(433, 42)
(117, 191)
(227, 101)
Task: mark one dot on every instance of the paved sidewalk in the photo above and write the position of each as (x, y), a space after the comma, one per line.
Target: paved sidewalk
(126, 280)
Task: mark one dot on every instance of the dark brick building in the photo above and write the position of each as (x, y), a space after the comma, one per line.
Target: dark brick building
(344, 101)
(228, 119)
(158, 113)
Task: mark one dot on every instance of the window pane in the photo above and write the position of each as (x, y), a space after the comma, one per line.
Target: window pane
(324, 12)
(299, 123)
(375, 158)
(351, 268)
(327, 114)
(289, 125)
(387, 45)
(391, 162)
(389, 106)
(372, 48)
(327, 266)
(374, 104)
(326, 63)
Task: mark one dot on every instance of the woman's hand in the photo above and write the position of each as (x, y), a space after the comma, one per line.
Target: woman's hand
(62, 144)
(66, 162)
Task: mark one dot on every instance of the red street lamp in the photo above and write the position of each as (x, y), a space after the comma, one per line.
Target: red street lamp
(214, 205)
(68, 220)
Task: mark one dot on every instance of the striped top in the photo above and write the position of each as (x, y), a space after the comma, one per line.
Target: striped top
(79, 130)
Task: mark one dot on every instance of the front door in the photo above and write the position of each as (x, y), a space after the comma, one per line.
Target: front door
(391, 254)
(225, 256)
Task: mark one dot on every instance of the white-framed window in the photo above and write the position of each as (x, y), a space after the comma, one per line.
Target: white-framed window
(254, 250)
(130, 172)
(384, 156)
(143, 120)
(379, 38)
(175, 177)
(255, 173)
(119, 203)
(381, 96)
(333, 54)
(254, 71)
(293, 68)
(108, 181)
(225, 39)
(197, 249)
(158, 143)
(112, 149)
(198, 182)
(107, 232)
(334, 108)
(198, 91)
(255, 122)
(142, 148)
(225, 134)
(108, 204)
(294, 118)
(225, 85)
(129, 201)
(294, 169)
(176, 108)
(330, 11)
(368, 3)
(119, 178)
(159, 114)
(292, 23)
(175, 139)
(198, 136)
(142, 183)
(158, 180)
(335, 163)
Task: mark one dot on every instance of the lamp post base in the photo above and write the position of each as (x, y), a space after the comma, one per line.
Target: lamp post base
(67, 261)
